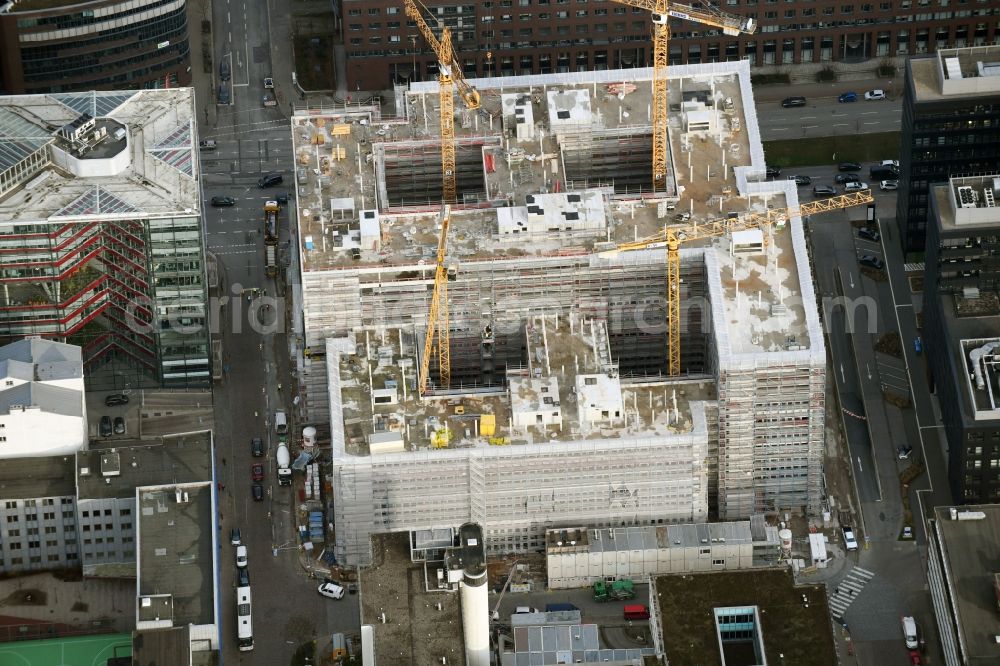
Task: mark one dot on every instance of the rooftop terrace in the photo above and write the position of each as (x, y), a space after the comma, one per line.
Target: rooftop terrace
(800, 634)
(586, 136)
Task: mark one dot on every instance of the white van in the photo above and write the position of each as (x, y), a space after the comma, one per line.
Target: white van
(910, 632)
(280, 422)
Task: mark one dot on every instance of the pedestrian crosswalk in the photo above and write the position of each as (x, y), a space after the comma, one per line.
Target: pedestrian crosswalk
(847, 590)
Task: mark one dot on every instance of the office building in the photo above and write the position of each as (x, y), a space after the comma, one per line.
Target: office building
(559, 411)
(98, 45)
(101, 233)
(37, 515)
(963, 561)
(961, 329)
(43, 408)
(108, 481)
(951, 111)
(519, 37)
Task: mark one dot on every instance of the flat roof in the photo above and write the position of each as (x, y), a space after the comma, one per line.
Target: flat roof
(176, 554)
(353, 160)
(550, 389)
(156, 647)
(955, 73)
(650, 537)
(29, 478)
(152, 173)
(971, 551)
(415, 632)
(116, 471)
(687, 602)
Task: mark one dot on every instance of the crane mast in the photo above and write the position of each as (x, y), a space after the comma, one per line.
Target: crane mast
(672, 237)
(661, 12)
(438, 316)
(449, 76)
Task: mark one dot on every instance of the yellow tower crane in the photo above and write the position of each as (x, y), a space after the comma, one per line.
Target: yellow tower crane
(672, 237)
(449, 76)
(662, 11)
(437, 318)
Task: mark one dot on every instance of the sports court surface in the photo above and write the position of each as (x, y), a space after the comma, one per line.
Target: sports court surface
(76, 651)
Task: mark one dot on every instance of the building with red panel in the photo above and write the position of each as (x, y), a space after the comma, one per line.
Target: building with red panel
(100, 233)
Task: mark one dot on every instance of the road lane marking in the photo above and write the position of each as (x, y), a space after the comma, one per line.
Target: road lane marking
(840, 125)
(871, 123)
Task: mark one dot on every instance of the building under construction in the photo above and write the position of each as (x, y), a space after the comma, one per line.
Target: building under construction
(555, 404)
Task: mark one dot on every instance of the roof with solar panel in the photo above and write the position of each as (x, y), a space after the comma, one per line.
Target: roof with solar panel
(98, 155)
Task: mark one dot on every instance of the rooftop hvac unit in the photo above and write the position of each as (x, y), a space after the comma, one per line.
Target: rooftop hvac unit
(988, 198)
(966, 197)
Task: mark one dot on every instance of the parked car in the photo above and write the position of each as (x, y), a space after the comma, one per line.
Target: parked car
(888, 185)
(257, 472)
(848, 166)
(844, 178)
(790, 102)
(824, 191)
(869, 234)
(848, 97)
(855, 186)
(907, 532)
(331, 590)
(801, 180)
(105, 428)
(116, 399)
(524, 609)
(875, 94)
(773, 172)
(242, 576)
(241, 556)
(234, 536)
(119, 425)
(871, 261)
(257, 447)
(915, 658)
(850, 543)
(890, 163)
(257, 491)
(269, 179)
(208, 144)
(918, 344)
(268, 82)
(223, 201)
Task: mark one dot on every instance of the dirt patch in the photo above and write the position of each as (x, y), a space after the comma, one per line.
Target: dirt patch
(314, 62)
(25, 598)
(916, 283)
(985, 306)
(889, 343)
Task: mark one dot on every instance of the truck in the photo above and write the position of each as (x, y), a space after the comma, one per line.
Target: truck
(613, 590)
(271, 209)
(284, 459)
(270, 261)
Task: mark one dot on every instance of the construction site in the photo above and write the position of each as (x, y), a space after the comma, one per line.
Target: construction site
(610, 322)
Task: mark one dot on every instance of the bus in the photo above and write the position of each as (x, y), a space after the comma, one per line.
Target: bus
(244, 622)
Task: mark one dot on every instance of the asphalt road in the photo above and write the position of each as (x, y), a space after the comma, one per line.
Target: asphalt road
(876, 429)
(824, 116)
(253, 140)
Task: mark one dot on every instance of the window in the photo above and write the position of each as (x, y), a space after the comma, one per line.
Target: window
(12, 519)
(373, 11)
(13, 533)
(704, 551)
(718, 563)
